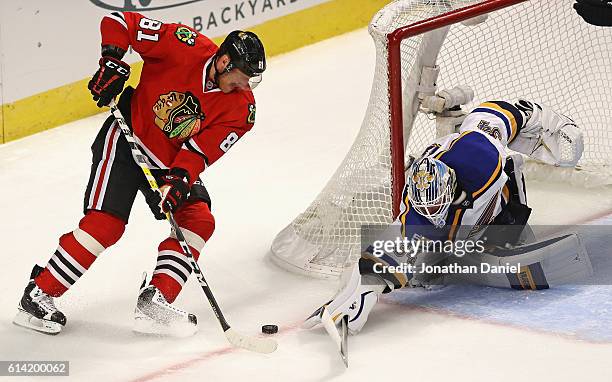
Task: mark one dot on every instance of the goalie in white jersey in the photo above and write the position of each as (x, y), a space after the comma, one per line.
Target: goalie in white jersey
(463, 184)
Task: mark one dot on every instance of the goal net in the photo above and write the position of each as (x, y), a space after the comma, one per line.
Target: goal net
(540, 50)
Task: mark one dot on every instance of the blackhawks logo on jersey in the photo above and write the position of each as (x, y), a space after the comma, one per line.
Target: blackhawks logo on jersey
(178, 115)
(186, 35)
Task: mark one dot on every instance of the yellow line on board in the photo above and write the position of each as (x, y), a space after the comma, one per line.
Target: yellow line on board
(72, 101)
(1, 125)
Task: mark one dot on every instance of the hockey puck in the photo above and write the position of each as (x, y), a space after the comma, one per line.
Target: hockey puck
(269, 329)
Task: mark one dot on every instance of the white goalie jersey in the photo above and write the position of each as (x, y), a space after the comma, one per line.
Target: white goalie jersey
(477, 154)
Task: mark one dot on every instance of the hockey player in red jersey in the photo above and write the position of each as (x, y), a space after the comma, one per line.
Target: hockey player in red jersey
(192, 104)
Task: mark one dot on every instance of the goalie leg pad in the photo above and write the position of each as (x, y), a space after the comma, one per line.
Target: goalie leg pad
(547, 263)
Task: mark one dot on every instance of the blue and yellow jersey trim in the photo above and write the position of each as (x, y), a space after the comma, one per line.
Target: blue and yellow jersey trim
(506, 193)
(457, 216)
(405, 213)
(492, 179)
(508, 113)
(450, 146)
(472, 143)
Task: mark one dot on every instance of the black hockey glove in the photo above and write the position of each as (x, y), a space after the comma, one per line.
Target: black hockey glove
(108, 81)
(596, 12)
(153, 199)
(174, 188)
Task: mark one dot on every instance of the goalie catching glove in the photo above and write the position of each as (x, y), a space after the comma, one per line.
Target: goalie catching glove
(548, 136)
(173, 192)
(355, 300)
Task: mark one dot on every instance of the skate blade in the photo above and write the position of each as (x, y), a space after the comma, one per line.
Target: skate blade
(144, 325)
(26, 320)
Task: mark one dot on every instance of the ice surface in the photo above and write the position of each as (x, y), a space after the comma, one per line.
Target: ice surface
(310, 106)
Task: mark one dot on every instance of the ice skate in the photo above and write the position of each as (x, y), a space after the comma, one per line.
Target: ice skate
(37, 310)
(155, 315)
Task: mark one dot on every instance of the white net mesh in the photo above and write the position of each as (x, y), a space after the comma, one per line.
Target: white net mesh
(540, 50)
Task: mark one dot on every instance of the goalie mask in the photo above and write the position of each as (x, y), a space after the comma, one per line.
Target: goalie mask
(431, 187)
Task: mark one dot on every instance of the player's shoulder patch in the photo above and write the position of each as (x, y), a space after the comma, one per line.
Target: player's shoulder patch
(509, 114)
(185, 35)
(487, 128)
(251, 115)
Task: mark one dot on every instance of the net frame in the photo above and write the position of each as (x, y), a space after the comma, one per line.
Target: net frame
(312, 256)
(395, 39)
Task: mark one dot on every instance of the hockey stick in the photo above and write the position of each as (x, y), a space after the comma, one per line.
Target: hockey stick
(259, 345)
(339, 337)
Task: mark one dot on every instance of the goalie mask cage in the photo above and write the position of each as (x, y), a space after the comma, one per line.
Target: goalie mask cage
(540, 50)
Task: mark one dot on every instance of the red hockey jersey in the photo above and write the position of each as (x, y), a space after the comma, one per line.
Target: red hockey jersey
(179, 117)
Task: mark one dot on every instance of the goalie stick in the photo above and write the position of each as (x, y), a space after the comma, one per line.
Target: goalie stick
(259, 345)
(340, 337)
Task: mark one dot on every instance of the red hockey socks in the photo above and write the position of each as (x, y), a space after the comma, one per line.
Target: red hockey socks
(173, 267)
(78, 249)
